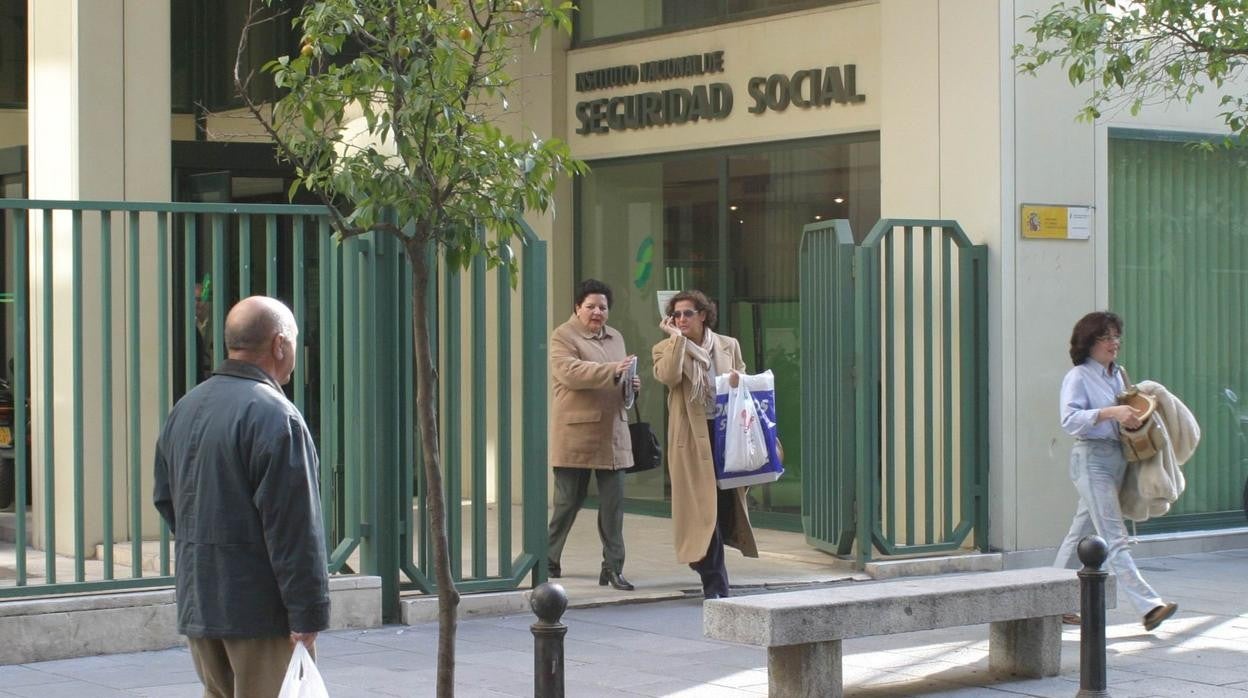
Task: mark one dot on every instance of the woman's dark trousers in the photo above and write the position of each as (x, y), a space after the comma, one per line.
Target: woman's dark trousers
(571, 487)
(711, 567)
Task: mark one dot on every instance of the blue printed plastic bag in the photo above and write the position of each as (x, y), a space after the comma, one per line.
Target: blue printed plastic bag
(763, 388)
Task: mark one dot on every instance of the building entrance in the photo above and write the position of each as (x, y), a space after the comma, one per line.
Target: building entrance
(727, 222)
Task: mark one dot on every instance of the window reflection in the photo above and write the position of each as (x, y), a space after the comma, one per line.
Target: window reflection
(600, 19)
(730, 224)
(13, 53)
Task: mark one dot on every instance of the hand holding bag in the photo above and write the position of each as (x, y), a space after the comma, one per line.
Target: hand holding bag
(1143, 442)
(302, 678)
(647, 453)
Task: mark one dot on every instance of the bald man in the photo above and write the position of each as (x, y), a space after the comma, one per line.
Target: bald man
(236, 479)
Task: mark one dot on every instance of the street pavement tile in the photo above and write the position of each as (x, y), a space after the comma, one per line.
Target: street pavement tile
(957, 654)
(1219, 658)
(603, 655)
(499, 637)
(952, 673)
(960, 692)
(346, 645)
(891, 685)
(66, 689)
(879, 660)
(508, 660)
(658, 650)
(132, 676)
(741, 656)
(17, 675)
(1116, 674)
(375, 678)
(514, 621)
(862, 675)
(632, 640)
(719, 676)
(381, 659)
(616, 676)
(1195, 673)
(399, 686)
(81, 663)
(1172, 688)
(685, 688)
(1048, 687)
(182, 690)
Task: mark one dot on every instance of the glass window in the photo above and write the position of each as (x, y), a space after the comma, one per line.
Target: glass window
(204, 37)
(601, 19)
(183, 37)
(1178, 274)
(728, 223)
(13, 53)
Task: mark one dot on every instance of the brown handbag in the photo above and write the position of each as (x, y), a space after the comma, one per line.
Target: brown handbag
(1145, 441)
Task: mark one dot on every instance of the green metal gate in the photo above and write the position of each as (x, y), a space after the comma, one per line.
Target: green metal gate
(143, 322)
(895, 391)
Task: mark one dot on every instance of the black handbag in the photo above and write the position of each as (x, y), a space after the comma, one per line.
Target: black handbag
(647, 453)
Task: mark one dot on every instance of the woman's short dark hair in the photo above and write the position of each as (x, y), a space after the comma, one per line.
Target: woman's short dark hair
(1089, 330)
(700, 303)
(589, 287)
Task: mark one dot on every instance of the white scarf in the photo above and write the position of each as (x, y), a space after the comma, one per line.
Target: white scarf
(698, 366)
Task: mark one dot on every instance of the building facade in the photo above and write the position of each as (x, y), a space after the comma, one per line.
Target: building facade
(715, 130)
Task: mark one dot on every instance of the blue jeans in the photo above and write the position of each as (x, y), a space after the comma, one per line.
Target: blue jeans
(1097, 467)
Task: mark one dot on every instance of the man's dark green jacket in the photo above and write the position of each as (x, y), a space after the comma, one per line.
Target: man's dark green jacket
(236, 479)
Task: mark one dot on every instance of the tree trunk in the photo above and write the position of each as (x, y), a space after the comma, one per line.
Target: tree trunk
(427, 420)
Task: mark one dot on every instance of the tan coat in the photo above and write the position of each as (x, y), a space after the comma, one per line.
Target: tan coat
(689, 460)
(588, 423)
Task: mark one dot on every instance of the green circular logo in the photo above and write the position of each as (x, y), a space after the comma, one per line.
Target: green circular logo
(643, 266)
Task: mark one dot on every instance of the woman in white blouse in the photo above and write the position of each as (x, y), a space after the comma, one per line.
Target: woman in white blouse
(1090, 412)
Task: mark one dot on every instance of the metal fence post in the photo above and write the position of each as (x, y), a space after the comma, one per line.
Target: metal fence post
(548, 602)
(1092, 553)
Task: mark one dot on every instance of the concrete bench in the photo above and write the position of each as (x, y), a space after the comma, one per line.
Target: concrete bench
(803, 630)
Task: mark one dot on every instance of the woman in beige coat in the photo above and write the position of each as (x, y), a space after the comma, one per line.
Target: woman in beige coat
(589, 427)
(704, 517)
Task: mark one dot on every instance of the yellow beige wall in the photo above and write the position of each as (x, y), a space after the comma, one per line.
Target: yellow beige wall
(931, 75)
(836, 36)
(1051, 158)
(99, 129)
(940, 134)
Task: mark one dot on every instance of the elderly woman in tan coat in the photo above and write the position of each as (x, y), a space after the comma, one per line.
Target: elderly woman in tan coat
(704, 517)
(589, 427)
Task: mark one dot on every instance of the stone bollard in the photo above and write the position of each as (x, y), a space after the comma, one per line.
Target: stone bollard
(1092, 553)
(548, 602)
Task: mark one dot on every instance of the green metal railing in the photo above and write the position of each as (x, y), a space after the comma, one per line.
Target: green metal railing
(158, 296)
(469, 302)
(895, 396)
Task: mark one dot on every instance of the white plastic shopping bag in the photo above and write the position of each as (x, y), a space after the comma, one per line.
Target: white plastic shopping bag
(302, 678)
(745, 448)
(761, 387)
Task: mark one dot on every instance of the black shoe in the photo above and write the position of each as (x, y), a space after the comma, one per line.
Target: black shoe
(615, 579)
(708, 595)
(555, 570)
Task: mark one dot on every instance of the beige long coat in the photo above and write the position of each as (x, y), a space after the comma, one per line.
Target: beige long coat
(588, 424)
(689, 460)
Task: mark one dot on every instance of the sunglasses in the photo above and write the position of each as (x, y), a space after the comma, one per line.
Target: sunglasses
(686, 313)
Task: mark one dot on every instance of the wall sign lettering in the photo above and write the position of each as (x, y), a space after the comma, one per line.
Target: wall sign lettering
(805, 89)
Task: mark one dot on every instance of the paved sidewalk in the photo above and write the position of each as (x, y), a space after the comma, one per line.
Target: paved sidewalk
(657, 649)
